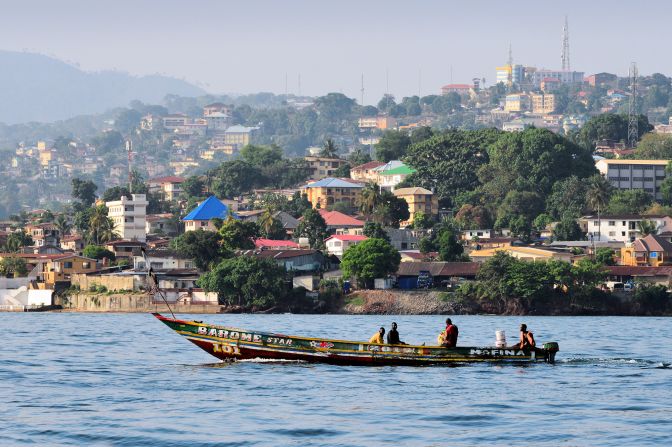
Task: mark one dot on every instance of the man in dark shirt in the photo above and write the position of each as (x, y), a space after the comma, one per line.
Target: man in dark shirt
(393, 336)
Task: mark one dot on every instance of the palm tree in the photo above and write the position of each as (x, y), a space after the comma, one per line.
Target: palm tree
(329, 150)
(369, 199)
(101, 227)
(597, 197)
(646, 227)
(62, 225)
(267, 220)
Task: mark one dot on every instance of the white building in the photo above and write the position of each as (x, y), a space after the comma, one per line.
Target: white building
(634, 174)
(623, 227)
(336, 245)
(129, 217)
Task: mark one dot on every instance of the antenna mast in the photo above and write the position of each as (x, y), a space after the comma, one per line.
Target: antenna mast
(510, 64)
(633, 118)
(565, 46)
(129, 150)
(362, 90)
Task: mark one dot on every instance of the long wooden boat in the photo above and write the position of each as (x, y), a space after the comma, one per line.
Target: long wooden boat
(227, 343)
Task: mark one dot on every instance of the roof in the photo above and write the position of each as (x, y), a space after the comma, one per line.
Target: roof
(401, 170)
(626, 216)
(619, 161)
(417, 254)
(392, 164)
(280, 254)
(215, 104)
(338, 219)
(651, 243)
(270, 243)
(165, 253)
(411, 191)
(439, 268)
(167, 179)
(627, 270)
(458, 86)
(367, 166)
(240, 129)
(125, 243)
(331, 182)
(208, 209)
(347, 237)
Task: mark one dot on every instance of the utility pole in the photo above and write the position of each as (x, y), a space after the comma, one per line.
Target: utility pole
(633, 117)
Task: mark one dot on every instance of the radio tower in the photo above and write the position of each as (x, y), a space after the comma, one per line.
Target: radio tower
(633, 118)
(129, 150)
(565, 46)
(510, 64)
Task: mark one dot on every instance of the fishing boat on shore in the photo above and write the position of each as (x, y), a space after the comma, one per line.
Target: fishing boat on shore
(230, 344)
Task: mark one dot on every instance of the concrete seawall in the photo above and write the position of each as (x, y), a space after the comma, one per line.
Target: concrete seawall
(91, 302)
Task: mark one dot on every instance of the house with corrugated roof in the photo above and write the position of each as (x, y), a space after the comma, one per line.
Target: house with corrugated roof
(651, 250)
(420, 200)
(201, 216)
(339, 243)
(341, 223)
(389, 179)
(329, 191)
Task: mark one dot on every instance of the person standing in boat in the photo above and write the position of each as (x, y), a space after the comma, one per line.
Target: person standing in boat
(393, 336)
(448, 337)
(378, 336)
(526, 338)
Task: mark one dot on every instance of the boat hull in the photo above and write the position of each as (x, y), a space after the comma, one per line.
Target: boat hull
(228, 344)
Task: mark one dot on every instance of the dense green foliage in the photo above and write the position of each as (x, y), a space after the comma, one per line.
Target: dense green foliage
(238, 235)
(368, 260)
(11, 266)
(313, 227)
(98, 252)
(204, 247)
(375, 230)
(246, 281)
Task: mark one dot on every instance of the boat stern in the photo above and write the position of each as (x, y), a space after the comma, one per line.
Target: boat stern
(550, 349)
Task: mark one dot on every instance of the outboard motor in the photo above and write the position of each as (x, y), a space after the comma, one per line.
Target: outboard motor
(550, 349)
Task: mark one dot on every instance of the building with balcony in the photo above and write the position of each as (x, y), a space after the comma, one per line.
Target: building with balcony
(168, 187)
(129, 216)
(517, 102)
(651, 250)
(622, 227)
(377, 122)
(239, 136)
(328, 191)
(366, 172)
(322, 167)
(635, 174)
(543, 103)
(419, 200)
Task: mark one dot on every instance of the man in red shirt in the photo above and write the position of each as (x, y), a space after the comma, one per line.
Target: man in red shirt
(451, 333)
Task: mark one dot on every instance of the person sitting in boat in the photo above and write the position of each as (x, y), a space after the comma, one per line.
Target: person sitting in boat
(526, 338)
(393, 336)
(378, 336)
(448, 337)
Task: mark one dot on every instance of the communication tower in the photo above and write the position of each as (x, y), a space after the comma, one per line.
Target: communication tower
(633, 118)
(510, 64)
(565, 46)
(129, 150)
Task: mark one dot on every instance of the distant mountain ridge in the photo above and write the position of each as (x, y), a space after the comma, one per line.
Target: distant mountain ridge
(34, 87)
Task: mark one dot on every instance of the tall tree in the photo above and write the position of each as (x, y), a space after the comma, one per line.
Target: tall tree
(62, 224)
(204, 247)
(313, 227)
(329, 149)
(370, 259)
(84, 191)
(393, 145)
(238, 235)
(597, 196)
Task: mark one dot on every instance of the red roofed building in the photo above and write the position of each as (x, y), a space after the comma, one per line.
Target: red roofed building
(271, 244)
(337, 244)
(338, 222)
(462, 89)
(169, 187)
(366, 171)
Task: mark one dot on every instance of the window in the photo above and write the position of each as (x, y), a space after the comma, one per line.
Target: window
(612, 223)
(86, 265)
(67, 265)
(612, 233)
(622, 233)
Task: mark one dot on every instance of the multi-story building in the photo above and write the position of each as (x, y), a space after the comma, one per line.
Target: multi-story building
(366, 172)
(622, 227)
(419, 200)
(510, 74)
(461, 89)
(635, 174)
(651, 250)
(377, 122)
(217, 121)
(129, 216)
(517, 102)
(602, 80)
(174, 121)
(322, 167)
(215, 108)
(392, 177)
(329, 191)
(549, 85)
(239, 136)
(43, 234)
(169, 187)
(564, 76)
(543, 103)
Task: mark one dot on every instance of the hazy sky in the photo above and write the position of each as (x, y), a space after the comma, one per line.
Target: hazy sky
(252, 45)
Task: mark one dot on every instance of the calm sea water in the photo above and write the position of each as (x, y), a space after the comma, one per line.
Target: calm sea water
(127, 380)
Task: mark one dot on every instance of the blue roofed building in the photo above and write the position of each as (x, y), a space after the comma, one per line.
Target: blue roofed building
(201, 216)
(329, 191)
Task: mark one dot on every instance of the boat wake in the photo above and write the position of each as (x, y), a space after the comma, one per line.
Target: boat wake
(617, 361)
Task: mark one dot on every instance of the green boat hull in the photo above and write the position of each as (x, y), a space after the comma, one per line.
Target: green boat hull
(226, 343)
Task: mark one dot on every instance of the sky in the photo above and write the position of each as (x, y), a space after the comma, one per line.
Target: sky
(404, 47)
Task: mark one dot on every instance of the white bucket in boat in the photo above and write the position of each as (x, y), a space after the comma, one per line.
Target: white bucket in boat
(500, 339)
